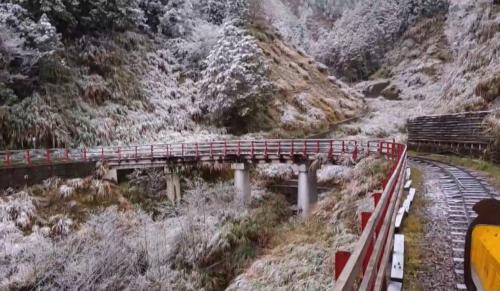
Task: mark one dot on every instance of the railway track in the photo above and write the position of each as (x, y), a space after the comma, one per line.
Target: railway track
(462, 190)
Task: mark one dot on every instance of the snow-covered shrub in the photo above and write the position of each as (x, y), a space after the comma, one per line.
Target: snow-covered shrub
(150, 182)
(61, 225)
(235, 82)
(361, 37)
(334, 173)
(19, 209)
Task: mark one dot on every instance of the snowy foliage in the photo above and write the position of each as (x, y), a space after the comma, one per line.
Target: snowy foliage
(120, 250)
(75, 17)
(236, 80)
(376, 25)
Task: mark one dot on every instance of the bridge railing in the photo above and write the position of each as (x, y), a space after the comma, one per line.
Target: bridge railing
(248, 149)
(366, 267)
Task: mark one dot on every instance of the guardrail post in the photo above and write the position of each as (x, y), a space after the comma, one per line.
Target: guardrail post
(365, 217)
(135, 154)
(252, 150)
(152, 152)
(102, 153)
(225, 149)
(355, 153)
(239, 148)
(66, 155)
(279, 149)
(265, 150)
(292, 150)
(7, 158)
(341, 259)
(305, 149)
(197, 151)
(49, 158)
(84, 154)
(28, 157)
(182, 150)
(317, 147)
(211, 150)
(343, 146)
(376, 198)
(119, 154)
(330, 151)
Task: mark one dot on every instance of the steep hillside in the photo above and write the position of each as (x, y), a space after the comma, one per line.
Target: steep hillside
(306, 99)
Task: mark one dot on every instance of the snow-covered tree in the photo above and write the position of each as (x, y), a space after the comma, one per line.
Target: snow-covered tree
(214, 11)
(76, 17)
(362, 36)
(177, 19)
(22, 43)
(236, 78)
(238, 11)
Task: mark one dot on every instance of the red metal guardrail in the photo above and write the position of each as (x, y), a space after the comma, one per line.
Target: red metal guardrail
(365, 268)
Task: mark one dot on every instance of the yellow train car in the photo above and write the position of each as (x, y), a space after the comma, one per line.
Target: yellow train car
(482, 248)
(485, 257)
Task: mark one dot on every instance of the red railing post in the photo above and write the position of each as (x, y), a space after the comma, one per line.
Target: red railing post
(292, 150)
(355, 153)
(225, 149)
(376, 198)
(341, 259)
(252, 150)
(211, 150)
(265, 150)
(197, 151)
(305, 148)
(7, 158)
(49, 158)
(330, 151)
(317, 147)
(239, 148)
(343, 146)
(28, 157)
(365, 217)
(182, 150)
(279, 149)
(135, 153)
(66, 155)
(152, 151)
(102, 153)
(119, 154)
(85, 154)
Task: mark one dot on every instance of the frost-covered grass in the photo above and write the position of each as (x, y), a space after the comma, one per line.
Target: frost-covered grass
(200, 245)
(300, 254)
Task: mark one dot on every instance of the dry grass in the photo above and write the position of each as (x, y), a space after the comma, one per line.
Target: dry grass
(414, 231)
(295, 76)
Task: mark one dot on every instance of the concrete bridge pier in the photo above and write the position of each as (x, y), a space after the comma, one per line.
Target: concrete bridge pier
(173, 185)
(307, 190)
(242, 182)
(111, 175)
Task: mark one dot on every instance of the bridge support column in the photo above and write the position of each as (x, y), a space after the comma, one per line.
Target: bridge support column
(111, 175)
(307, 190)
(242, 182)
(174, 193)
